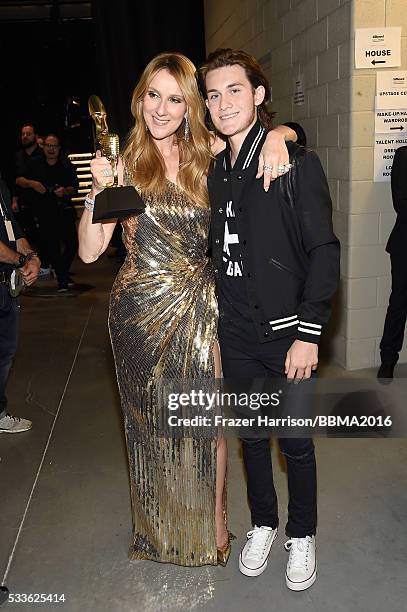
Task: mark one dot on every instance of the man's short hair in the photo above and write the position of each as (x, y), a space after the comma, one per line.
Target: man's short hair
(254, 73)
(29, 124)
(53, 135)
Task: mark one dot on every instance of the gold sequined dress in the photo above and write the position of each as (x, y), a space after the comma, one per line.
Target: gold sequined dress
(162, 322)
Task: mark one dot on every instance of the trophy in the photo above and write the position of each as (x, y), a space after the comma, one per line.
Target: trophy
(114, 201)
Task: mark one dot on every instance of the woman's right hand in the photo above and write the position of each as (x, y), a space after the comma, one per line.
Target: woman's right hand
(102, 175)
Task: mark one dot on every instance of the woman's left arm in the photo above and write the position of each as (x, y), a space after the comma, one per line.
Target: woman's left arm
(274, 153)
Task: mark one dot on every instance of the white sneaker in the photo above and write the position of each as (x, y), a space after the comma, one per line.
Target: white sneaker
(302, 563)
(253, 558)
(12, 424)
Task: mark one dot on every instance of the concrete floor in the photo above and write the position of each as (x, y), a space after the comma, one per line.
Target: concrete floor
(65, 510)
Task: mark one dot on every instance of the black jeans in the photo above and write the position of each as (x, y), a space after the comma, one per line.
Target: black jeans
(28, 224)
(59, 239)
(9, 310)
(395, 322)
(244, 356)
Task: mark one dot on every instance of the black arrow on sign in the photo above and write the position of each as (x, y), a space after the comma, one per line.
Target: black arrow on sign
(378, 62)
(400, 127)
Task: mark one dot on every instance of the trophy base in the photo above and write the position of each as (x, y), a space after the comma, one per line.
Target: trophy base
(117, 202)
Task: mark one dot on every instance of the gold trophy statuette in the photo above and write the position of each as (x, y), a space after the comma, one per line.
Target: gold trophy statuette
(110, 148)
(114, 201)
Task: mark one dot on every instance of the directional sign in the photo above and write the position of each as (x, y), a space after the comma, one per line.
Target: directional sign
(391, 89)
(384, 149)
(377, 47)
(391, 121)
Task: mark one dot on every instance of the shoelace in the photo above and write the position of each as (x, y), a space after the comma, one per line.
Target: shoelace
(258, 542)
(14, 418)
(298, 548)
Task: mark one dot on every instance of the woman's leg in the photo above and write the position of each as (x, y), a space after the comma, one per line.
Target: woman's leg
(221, 463)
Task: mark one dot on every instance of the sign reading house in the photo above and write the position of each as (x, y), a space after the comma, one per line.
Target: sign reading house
(377, 47)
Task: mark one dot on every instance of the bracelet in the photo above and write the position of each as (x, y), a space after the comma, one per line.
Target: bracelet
(89, 203)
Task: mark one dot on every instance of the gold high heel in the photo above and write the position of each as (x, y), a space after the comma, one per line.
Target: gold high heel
(224, 553)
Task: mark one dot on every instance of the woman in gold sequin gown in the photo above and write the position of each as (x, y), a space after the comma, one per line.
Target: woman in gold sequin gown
(163, 316)
(162, 321)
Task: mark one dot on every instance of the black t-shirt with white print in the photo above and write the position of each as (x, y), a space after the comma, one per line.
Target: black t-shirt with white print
(233, 298)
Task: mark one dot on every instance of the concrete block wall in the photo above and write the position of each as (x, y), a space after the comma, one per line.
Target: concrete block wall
(368, 205)
(288, 37)
(316, 38)
(312, 38)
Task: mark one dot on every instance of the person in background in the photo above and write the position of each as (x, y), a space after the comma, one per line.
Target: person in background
(395, 322)
(30, 150)
(25, 189)
(54, 208)
(15, 254)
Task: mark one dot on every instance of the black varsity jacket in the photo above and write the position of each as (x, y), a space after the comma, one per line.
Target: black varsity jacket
(290, 253)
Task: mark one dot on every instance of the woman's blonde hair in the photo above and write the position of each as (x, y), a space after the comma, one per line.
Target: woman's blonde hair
(143, 161)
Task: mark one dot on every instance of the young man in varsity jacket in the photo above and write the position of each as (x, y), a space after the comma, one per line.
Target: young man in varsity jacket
(276, 261)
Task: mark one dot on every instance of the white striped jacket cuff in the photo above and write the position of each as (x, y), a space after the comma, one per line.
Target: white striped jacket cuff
(310, 332)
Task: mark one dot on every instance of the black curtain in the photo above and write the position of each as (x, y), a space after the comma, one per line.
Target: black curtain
(44, 62)
(131, 32)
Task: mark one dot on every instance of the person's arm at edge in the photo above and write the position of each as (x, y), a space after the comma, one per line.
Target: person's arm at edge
(7, 255)
(314, 206)
(32, 266)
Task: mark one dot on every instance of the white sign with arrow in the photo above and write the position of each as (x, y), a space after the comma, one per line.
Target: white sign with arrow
(377, 47)
(391, 121)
